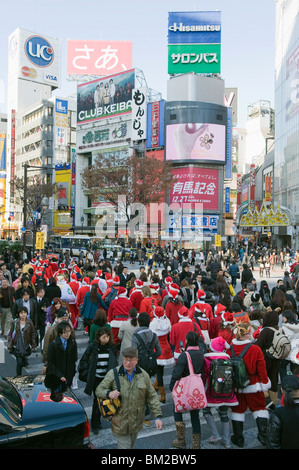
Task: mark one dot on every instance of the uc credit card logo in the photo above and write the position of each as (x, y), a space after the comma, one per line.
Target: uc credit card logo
(39, 51)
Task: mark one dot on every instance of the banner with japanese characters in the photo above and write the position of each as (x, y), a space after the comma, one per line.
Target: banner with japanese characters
(196, 185)
(197, 58)
(139, 113)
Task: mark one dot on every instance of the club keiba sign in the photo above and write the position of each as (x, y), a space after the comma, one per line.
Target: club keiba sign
(195, 185)
(104, 98)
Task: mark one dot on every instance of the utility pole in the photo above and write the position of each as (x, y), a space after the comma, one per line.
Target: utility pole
(25, 205)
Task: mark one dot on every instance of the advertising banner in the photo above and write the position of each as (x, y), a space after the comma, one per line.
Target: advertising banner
(227, 200)
(94, 138)
(196, 185)
(3, 152)
(194, 27)
(100, 58)
(34, 57)
(13, 153)
(197, 58)
(206, 223)
(204, 142)
(228, 165)
(268, 190)
(104, 98)
(155, 124)
(139, 113)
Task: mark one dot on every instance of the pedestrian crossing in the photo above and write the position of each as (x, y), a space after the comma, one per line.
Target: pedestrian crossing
(149, 437)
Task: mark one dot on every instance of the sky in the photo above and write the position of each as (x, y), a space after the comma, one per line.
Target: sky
(248, 38)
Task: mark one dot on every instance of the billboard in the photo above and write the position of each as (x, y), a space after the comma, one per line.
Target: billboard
(34, 57)
(3, 152)
(194, 185)
(105, 97)
(194, 42)
(200, 141)
(100, 58)
(96, 138)
(155, 124)
(139, 113)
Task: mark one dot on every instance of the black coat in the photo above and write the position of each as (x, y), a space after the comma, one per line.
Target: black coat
(181, 368)
(62, 363)
(283, 428)
(41, 314)
(33, 310)
(88, 364)
(52, 291)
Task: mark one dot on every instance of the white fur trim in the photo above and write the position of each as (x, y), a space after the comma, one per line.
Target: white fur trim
(257, 387)
(117, 323)
(166, 362)
(237, 417)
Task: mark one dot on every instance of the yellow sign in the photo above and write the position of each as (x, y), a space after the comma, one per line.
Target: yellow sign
(40, 240)
(217, 240)
(265, 218)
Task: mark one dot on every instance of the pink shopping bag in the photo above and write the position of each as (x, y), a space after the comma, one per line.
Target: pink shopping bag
(189, 392)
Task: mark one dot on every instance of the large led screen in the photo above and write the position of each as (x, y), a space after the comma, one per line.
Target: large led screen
(199, 142)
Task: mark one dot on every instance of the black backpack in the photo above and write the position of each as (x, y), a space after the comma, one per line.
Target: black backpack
(147, 355)
(240, 376)
(40, 281)
(111, 296)
(221, 378)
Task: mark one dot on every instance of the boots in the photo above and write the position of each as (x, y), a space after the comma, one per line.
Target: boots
(162, 392)
(195, 441)
(215, 437)
(237, 437)
(226, 434)
(180, 442)
(262, 424)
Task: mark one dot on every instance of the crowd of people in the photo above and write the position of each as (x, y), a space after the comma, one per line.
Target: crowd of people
(142, 321)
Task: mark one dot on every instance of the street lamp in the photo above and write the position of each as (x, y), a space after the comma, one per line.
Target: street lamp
(9, 219)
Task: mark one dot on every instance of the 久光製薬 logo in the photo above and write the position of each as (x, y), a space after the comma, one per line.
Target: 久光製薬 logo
(39, 51)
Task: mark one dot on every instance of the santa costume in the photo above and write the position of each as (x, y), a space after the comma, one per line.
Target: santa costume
(118, 312)
(168, 281)
(173, 305)
(83, 289)
(228, 322)
(202, 322)
(74, 310)
(201, 305)
(179, 331)
(136, 295)
(161, 326)
(252, 396)
(215, 321)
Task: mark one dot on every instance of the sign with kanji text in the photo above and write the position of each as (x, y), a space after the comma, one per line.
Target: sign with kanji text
(139, 113)
(217, 240)
(40, 240)
(196, 185)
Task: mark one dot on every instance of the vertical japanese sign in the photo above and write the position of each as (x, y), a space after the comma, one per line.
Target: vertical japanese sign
(252, 187)
(268, 190)
(12, 152)
(155, 124)
(139, 113)
(239, 189)
(61, 122)
(227, 200)
(73, 178)
(100, 58)
(3, 152)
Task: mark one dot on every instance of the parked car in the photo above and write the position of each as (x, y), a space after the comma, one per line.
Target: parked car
(29, 419)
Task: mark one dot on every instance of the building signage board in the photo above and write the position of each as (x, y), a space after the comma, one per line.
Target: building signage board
(106, 97)
(197, 186)
(155, 124)
(34, 57)
(194, 42)
(139, 113)
(97, 137)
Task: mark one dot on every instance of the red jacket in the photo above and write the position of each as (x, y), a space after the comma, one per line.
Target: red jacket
(136, 299)
(147, 305)
(81, 294)
(119, 311)
(205, 308)
(178, 334)
(171, 311)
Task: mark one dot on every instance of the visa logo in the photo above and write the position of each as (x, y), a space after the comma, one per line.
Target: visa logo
(51, 78)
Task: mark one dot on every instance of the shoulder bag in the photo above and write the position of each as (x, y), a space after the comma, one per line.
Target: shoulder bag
(108, 407)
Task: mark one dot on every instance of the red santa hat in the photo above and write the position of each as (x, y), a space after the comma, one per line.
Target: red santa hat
(183, 312)
(159, 312)
(86, 281)
(219, 309)
(99, 272)
(74, 276)
(198, 308)
(33, 261)
(219, 344)
(173, 290)
(109, 281)
(94, 281)
(154, 288)
(138, 284)
(168, 280)
(108, 276)
(122, 292)
(76, 269)
(227, 318)
(201, 294)
(62, 266)
(116, 280)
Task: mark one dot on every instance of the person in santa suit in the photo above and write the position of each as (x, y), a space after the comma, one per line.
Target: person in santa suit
(83, 289)
(168, 281)
(149, 302)
(54, 265)
(74, 310)
(202, 322)
(174, 303)
(39, 276)
(155, 292)
(112, 283)
(162, 326)
(47, 269)
(118, 312)
(253, 395)
(202, 305)
(33, 264)
(215, 321)
(226, 327)
(62, 271)
(136, 295)
(179, 330)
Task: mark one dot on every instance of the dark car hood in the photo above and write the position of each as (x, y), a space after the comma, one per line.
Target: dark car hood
(38, 405)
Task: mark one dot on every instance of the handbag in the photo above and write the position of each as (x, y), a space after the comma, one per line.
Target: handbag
(189, 392)
(108, 407)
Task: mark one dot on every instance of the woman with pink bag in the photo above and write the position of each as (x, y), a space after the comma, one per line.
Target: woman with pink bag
(180, 370)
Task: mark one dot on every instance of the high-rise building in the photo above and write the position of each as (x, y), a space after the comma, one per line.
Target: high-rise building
(286, 177)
